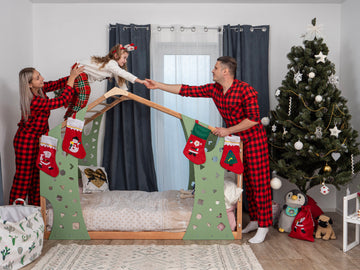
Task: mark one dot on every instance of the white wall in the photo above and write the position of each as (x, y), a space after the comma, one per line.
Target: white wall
(16, 52)
(349, 76)
(64, 33)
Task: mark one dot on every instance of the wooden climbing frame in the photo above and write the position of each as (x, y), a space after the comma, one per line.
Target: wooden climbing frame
(120, 95)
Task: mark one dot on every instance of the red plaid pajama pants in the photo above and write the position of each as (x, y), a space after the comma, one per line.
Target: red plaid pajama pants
(257, 180)
(80, 99)
(26, 180)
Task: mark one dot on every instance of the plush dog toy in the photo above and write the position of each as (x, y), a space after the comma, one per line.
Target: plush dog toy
(324, 229)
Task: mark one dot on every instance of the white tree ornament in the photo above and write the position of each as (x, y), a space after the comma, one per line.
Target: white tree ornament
(321, 57)
(318, 132)
(318, 98)
(277, 92)
(275, 183)
(324, 189)
(273, 128)
(265, 121)
(334, 80)
(298, 145)
(335, 131)
(311, 75)
(297, 77)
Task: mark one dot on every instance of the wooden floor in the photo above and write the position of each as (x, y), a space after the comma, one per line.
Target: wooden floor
(277, 252)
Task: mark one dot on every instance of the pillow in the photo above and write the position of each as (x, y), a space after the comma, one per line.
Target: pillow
(232, 193)
(94, 179)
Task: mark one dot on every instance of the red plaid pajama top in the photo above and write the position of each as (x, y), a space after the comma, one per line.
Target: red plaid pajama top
(240, 102)
(26, 141)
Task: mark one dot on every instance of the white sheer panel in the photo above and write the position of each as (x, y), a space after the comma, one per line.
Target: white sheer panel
(180, 57)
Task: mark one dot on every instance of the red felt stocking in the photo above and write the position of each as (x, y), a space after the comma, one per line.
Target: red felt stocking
(230, 159)
(72, 143)
(195, 147)
(46, 158)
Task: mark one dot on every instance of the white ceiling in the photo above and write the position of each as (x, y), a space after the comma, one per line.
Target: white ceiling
(193, 1)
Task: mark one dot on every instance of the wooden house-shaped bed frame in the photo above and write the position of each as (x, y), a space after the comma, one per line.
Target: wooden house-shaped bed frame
(63, 191)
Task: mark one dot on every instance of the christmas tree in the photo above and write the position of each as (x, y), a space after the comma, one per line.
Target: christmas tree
(311, 141)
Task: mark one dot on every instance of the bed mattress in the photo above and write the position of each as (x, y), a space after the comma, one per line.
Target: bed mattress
(134, 211)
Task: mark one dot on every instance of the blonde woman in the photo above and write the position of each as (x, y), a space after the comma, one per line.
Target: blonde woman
(35, 112)
(99, 68)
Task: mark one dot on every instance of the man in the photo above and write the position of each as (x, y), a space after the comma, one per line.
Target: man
(238, 105)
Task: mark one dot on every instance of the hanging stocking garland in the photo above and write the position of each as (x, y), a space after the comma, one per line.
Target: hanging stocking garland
(195, 147)
(46, 158)
(230, 159)
(72, 142)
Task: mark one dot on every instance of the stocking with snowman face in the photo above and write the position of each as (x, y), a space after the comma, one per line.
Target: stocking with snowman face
(72, 142)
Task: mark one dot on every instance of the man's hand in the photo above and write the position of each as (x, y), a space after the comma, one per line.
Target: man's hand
(151, 84)
(221, 132)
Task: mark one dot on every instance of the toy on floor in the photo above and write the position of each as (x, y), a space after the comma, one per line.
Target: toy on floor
(187, 193)
(324, 229)
(303, 225)
(294, 199)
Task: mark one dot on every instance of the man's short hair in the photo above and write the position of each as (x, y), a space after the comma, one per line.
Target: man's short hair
(230, 63)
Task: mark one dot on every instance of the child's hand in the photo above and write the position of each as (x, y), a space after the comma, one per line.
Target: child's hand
(140, 81)
(151, 84)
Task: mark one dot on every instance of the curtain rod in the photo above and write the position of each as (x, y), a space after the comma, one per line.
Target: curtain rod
(127, 27)
(252, 28)
(192, 28)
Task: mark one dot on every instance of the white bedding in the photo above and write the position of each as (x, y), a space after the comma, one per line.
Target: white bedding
(134, 211)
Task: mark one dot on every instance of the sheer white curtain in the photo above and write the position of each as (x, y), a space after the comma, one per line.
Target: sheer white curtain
(180, 55)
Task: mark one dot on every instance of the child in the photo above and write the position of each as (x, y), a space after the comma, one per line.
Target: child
(113, 65)
(35, 112)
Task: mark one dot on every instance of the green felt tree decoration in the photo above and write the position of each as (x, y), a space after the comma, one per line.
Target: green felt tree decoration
(311, 140)
(63, 193)
(209, 219)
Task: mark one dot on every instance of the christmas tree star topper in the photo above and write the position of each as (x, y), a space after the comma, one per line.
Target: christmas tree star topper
(313, 31)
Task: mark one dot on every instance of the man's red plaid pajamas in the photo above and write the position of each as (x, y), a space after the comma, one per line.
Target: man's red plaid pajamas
(239, 103)
(26, 142)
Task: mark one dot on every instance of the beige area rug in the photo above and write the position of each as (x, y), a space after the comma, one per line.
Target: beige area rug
(149, 257)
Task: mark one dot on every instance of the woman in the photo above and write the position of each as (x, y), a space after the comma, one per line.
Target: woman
(35, 112)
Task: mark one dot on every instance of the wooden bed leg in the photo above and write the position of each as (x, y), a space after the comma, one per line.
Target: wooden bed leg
(239, 211)
(239, 218)
(43, 212)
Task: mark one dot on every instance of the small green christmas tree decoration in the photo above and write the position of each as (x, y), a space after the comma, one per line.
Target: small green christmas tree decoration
(231, 158)
(311, 141)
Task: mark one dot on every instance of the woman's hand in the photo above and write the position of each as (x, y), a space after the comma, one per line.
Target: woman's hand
(75, 71)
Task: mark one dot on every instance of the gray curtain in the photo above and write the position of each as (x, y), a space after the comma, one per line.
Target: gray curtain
(249, 45)
(128, 155)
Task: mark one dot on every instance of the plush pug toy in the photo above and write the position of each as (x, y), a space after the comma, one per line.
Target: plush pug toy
(324, 229)
(294, 199)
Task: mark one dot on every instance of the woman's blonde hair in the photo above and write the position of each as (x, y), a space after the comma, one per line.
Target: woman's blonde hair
(114, 54)
(26, 95)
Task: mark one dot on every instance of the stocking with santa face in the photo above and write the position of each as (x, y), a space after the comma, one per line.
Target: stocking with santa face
(46, 159)
(195, 147)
